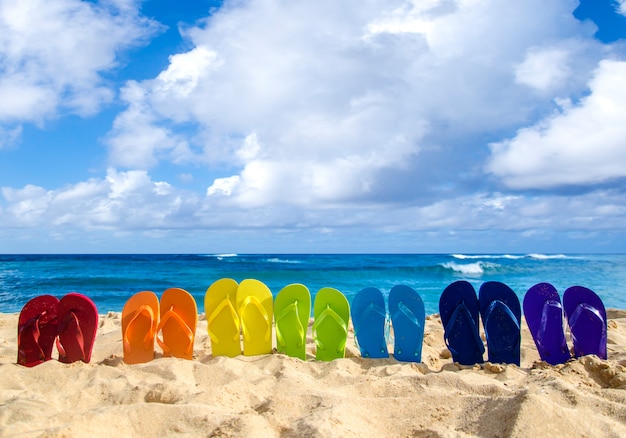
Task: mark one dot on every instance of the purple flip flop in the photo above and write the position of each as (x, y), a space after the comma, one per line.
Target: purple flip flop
(586, 317)
(544, 316)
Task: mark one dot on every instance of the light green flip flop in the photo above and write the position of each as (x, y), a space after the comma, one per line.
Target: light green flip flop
(292, 309)
(330, 328)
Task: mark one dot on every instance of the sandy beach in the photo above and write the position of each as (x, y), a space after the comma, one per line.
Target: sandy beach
(275, 395)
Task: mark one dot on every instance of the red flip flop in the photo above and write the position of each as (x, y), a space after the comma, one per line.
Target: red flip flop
(37, 330)
(78, 322)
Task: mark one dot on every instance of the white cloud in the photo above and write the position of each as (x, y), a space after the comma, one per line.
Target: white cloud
(53, 54)
(324, 107)
(621, 5)
(581, 144)
(543, 69)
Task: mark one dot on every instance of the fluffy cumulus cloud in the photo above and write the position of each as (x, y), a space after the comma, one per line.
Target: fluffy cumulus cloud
(53, 55)
(580, 144)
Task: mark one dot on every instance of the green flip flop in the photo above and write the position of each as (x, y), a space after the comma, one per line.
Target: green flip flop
(292, 309)
(330, 329)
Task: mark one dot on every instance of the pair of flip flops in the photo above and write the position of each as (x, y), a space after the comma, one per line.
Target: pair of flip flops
(371, 323)
(233, 309)
(585, 315)
(71, 323)
(498, 307)
(144, 317)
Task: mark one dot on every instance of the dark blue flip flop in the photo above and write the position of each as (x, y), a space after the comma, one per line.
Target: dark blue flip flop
(544, 316)
(369, 319)
(459, 310)
(501, 313)
(408, 317)
(586, 317)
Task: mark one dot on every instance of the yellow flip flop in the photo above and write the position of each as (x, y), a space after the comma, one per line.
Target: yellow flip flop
(179, 316)
(255, 305)
(140, 318)
(220, 303)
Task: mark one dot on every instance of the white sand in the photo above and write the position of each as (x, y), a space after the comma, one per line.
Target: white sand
(275, 395)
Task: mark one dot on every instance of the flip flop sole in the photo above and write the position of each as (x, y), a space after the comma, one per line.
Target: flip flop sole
(256, 311)
(408, 317)
(78, 323)
(544, 316)
(501, 313)
(292, 310)
(369, 319)
(586, 316)
(140, 319)
(220, 306)
(330, 327)
(179, 317)
(37, 330)
(459, 311)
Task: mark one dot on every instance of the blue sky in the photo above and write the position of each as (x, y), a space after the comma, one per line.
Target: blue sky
(331, 126)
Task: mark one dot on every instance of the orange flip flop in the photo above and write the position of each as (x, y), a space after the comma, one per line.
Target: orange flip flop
(140, 319)
(179, 316)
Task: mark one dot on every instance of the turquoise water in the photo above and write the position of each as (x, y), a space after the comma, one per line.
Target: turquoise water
(110, 280)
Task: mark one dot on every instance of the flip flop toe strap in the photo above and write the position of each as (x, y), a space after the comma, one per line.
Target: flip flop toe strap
(334, 316)
(224, 305)
(71, 320)
(30, 327)
(254, 301)
(404, 310)
(143, 310)
(171, 315)
(502, 306)
(292, 308)
(461, 308)
(372, 308)
(587, 309)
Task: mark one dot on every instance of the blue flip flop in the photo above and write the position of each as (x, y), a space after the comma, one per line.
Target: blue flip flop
(501, 313)
(459, 310)
(586, 317)
(544, 316)
(408, 317)
(369, 319)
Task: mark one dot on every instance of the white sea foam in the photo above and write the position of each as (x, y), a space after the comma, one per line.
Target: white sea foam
(477, 268)
(487, 256)
(277, 260)
(547, 256)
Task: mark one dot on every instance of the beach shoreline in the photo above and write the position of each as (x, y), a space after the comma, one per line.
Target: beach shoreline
(276, 395)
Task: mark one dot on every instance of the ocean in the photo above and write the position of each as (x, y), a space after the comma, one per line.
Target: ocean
(109, 280)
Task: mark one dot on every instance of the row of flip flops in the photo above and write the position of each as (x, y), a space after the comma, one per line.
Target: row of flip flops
(500, 311)
(240, 320)
(248, 309)
(45, 321)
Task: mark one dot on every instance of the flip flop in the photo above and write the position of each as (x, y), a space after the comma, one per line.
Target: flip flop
(37, 330)
(330, 327)
(179, 316)
(408, 317)
(586, 317)
(256, 308)
(544, 316)
(370, 322)
(220, 303)
(501, 313)
(77, 324)
(459, 311)
(292, 309)
(140, 319)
